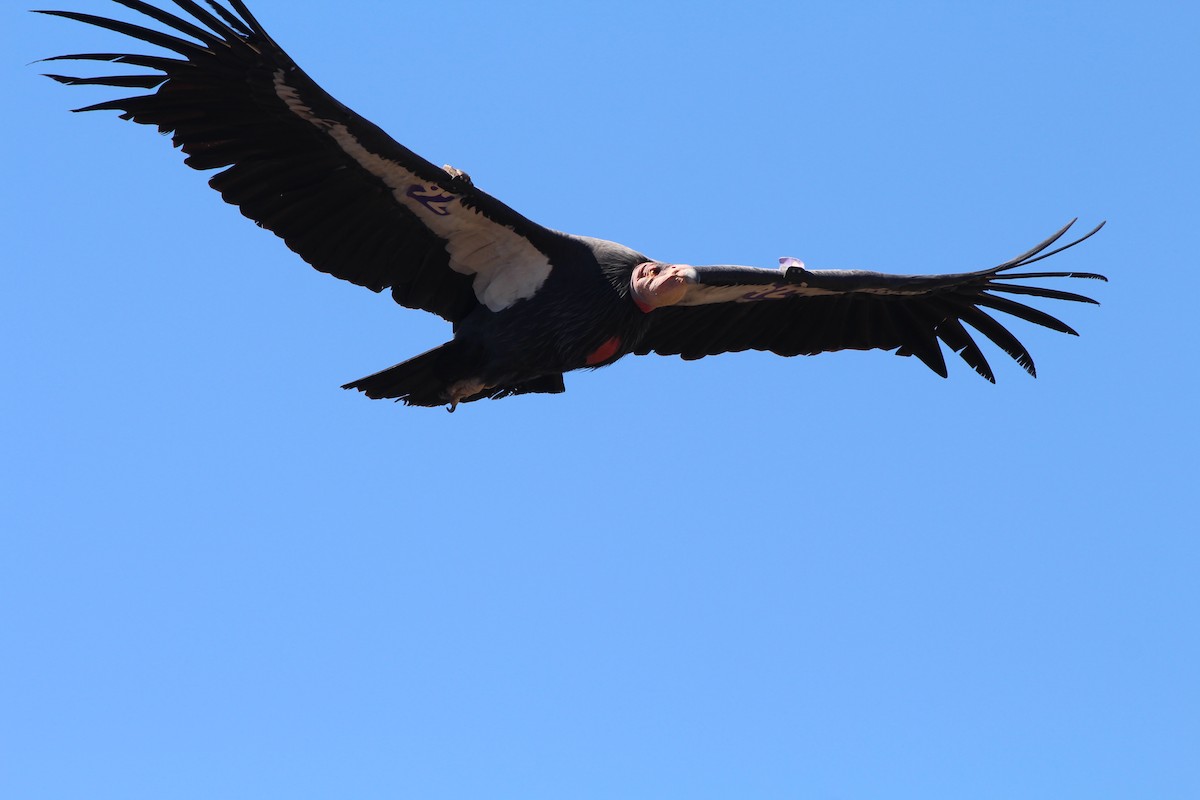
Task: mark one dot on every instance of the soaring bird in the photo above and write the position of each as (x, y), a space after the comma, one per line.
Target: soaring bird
(527, 304)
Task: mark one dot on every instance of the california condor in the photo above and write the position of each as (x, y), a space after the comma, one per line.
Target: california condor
(527, 303)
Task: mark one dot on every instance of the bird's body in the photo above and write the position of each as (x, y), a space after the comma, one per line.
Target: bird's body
(527, 303)
(581, 317)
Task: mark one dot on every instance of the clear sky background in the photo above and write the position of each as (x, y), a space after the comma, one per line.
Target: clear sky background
(746, 577)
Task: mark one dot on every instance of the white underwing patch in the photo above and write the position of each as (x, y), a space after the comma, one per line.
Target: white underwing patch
(700, 294)
(507, 268)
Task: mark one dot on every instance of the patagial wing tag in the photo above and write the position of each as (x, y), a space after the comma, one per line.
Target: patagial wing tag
(506, 265)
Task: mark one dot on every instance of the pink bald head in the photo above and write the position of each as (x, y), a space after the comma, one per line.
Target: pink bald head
(655, 285)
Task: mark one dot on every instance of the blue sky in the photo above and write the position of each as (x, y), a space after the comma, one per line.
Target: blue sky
(836, 577)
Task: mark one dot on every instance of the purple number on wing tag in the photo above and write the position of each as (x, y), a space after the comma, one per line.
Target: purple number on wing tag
(432, 197)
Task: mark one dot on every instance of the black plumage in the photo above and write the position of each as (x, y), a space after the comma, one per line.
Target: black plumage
(527, 303)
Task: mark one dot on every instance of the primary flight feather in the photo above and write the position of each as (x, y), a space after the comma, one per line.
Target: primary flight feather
(527, 303)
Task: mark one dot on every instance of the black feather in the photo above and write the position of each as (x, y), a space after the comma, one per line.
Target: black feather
(340, 193)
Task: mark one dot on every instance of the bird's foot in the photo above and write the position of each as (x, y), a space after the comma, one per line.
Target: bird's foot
(463, 390)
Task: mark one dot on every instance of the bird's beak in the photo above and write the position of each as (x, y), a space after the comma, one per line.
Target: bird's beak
(655, 285)
(674, 275)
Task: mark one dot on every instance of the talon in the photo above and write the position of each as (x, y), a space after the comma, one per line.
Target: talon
(462, 390)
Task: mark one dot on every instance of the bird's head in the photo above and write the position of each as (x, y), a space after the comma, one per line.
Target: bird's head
(654, 284)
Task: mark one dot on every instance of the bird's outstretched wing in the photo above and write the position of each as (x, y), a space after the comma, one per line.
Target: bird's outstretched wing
(794, 311)
(341, 193)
